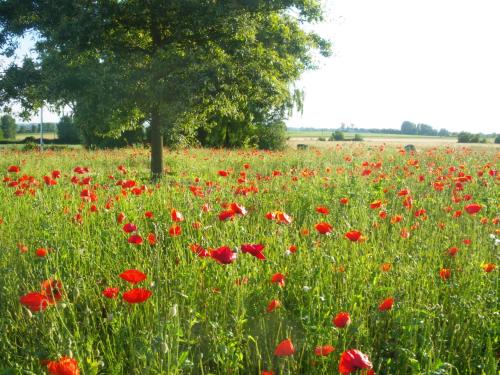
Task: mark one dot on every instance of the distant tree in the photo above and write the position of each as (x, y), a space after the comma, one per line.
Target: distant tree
(357, 138)
(466, 137)
(67, 131)
(34, 128)
(408, 127)
(9, 127)
(443, 133)
(337, 135)
(423, 129)
(497, 139)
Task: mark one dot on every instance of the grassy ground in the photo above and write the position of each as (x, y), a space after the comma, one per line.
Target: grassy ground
(207, 318)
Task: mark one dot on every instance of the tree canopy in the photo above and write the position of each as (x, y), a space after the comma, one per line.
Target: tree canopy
(120, 64)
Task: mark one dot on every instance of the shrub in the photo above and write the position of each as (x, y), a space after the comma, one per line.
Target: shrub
(357, 138)
(322, 139)
(272, 136)
(337, 135)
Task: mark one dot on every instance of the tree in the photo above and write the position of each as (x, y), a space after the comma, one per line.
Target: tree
(443, 133)
(408, 127)
(8, 125)
(337, 135)
(497, 139)
(119, 63)
(67, 131)
(423, 129)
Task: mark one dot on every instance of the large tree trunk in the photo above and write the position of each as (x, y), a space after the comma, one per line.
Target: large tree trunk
(156, 145)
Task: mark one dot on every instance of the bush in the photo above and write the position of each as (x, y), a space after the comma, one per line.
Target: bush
(8, 126)
(337, 135)
(322, 139)
(272, 136)
(357, 138)
(466, 137)
(68, 131)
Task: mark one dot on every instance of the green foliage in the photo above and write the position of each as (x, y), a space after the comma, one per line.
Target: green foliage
(337, 135)
(466, 137)
(497, 139)
(408, 127)
(272, 136)
(443, 133)
(8, 126)
(357, 138)
(119, 63)
(67, 131)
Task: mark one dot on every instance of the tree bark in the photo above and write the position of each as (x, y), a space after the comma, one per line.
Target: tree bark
(156, 145)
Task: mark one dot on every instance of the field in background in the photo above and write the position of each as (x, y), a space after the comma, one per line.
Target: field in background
(49, 135)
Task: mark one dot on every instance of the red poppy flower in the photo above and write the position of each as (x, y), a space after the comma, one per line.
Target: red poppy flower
(386, 267)
(34, 301)
(148, 214)
(111, 292)
(284, 348)
(473, 208)
(226, 215)
(344, 200)
(133, 276)
(175, 231)
(324, 350)
(270, 372)
(386, 304)
(200, 251)
(376, 204)
(452, 251)
(63, 366)
(323, 228)
(353, 235)
(352, 360)
(176, 215)
(135, 239)
(489, 267)
(292, 249)
(13, 169)
(255, 250)
(279, 279)
(273, 305)
(223, 255)
(341, 320)
(151, 239)
(238, 209)
(41, 252)
(223, 173)
(445, 274)
(120, 217)
(52, 289)
(129, 228)
(322, 210)
(137, 295)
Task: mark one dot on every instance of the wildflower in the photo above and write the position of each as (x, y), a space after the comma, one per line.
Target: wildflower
(284, 348)
(137, 295)
(341, 320)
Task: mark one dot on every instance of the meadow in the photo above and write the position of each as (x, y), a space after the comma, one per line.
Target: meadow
(358, 258)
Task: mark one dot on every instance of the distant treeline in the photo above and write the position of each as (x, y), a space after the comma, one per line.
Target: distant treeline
(48, 127)
(407, 128)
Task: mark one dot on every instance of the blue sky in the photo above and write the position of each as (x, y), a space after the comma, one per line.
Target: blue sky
(427, 61)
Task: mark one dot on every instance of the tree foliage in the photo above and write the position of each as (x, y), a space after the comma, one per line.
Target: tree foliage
(8, 127)
(67, 131)
(225, 66)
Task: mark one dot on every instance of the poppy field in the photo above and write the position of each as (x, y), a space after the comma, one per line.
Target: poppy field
(353, 259)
